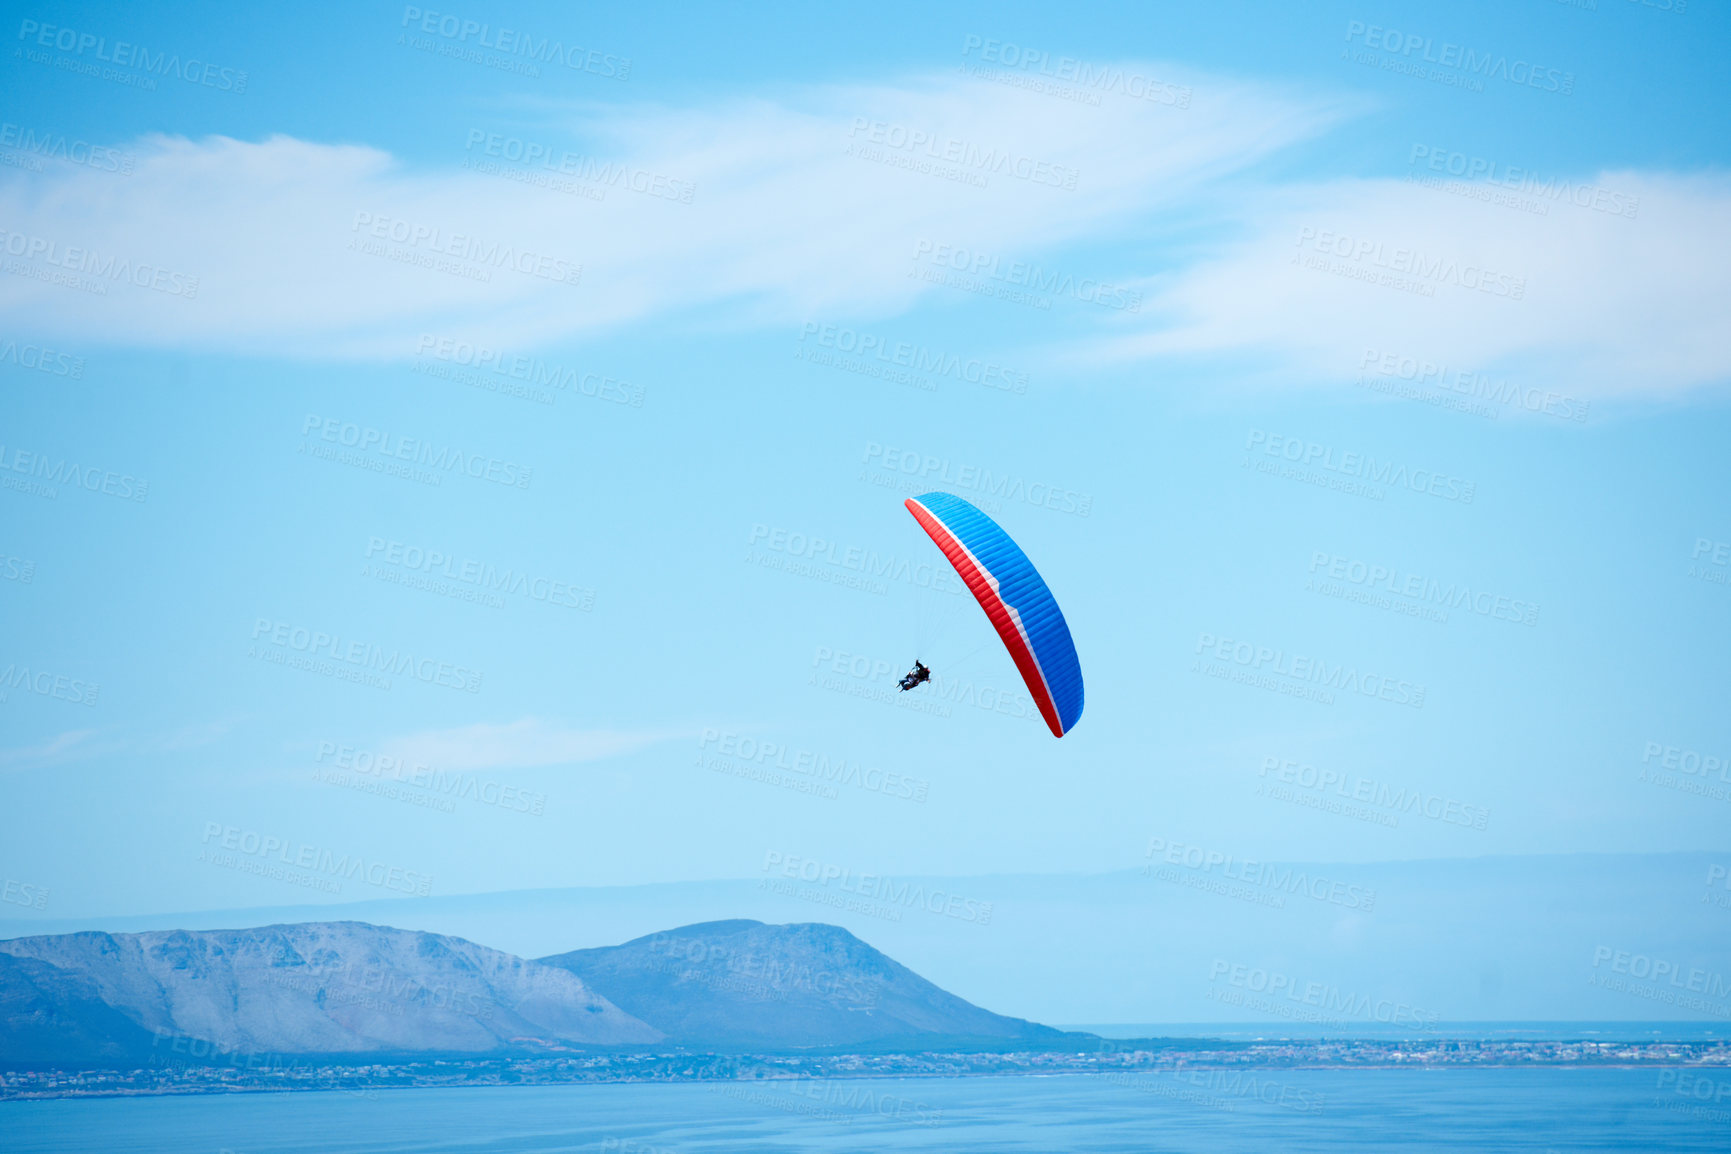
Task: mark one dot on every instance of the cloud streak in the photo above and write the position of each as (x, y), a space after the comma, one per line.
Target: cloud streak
(1602, 303)
(813, 203)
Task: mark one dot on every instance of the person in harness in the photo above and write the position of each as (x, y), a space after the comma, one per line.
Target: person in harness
(919, 676)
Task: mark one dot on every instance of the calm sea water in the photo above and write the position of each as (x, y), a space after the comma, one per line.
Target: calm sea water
(1319, 1110)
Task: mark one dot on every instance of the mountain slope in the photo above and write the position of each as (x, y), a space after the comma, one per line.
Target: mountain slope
(328, 987)
(742, 983)
(50, 1017)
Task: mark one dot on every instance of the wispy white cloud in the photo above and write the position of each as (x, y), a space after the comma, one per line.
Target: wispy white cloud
(72, 745)
(789, 221)
(77, 745)
(522, 744)
(784, 217)
(1597, 301)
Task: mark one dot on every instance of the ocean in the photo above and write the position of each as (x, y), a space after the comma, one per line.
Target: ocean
(1205, 1112)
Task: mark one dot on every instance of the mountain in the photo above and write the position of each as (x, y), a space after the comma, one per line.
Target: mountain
(313, 988)
(49, 1017)
(1467, 938)
(184, 997)
(745, 985)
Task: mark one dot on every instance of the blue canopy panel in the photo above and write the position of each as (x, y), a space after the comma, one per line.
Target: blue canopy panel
(1020, 607)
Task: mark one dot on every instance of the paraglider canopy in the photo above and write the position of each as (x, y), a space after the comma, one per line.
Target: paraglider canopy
(1015, 599)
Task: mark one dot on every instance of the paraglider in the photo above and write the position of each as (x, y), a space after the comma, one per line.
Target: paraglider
(1015, 599)
(918, 675)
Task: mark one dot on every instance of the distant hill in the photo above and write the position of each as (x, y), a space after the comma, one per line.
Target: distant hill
(49, 1017)
(743, 984)
(314, 988)
(181, 997)
(1465, 938)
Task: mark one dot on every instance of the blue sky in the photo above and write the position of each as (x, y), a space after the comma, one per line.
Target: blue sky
(1513, 293)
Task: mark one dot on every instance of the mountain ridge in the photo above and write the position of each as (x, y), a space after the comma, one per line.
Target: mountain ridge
(716, 983)
(352, 989)
(326, 988)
